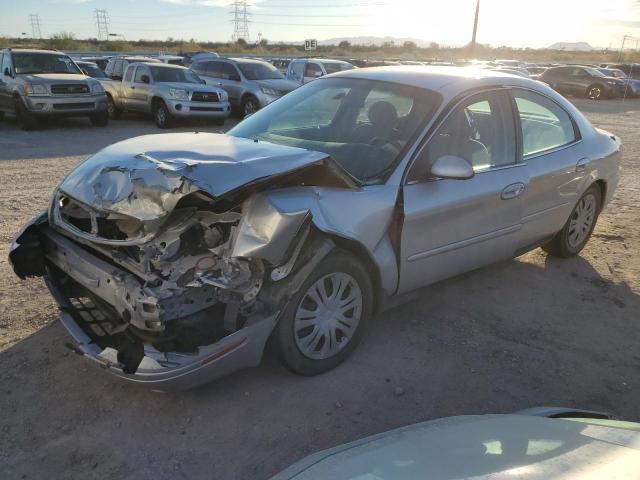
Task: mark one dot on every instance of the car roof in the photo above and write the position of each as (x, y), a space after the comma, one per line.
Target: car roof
(436, 77)
(35, 50)
(137, 59)
(86, 62)
(245, 60)
(323, 60)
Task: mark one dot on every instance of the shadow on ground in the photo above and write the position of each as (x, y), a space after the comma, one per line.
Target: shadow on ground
(500, 339)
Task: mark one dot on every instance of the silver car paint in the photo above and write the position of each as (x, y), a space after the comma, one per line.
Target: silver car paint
(450, 226)
(523, 445)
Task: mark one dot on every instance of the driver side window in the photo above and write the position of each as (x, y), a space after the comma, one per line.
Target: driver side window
(480, 130)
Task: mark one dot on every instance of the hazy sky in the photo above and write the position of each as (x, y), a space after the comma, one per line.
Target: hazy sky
(518, 23)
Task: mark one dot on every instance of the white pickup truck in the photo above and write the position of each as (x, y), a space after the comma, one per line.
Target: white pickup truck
(167, 92)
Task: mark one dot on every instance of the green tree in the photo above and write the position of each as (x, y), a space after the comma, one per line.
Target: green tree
(344, 44)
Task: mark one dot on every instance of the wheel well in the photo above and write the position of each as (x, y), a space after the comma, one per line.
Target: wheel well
(247, 95)
(155, 101)
(603, 189)
(365, 257)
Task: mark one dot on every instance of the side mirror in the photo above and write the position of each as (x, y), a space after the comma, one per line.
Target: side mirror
(450, 166)
(145, 78)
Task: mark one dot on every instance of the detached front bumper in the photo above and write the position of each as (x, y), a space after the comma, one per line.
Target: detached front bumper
(66, 105)
(38, 245)
(187, 108)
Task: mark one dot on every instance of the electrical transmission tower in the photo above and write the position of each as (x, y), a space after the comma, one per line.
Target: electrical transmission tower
(102, 22)
(34, 20)
(240, 20)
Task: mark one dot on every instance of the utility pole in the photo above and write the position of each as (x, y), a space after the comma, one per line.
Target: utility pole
(475, 27)
(240, 20)
(102, 22)
(34, 20)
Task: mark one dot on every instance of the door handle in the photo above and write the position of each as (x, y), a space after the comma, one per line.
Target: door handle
(582, 164)
(512, 191)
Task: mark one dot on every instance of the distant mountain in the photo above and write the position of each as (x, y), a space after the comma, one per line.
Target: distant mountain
(373, 41)
(572, 46)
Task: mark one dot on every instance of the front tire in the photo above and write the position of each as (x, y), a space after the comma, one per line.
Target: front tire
(595, 92)
(99, 119)
(114, 112)
(327, 317)
(25, 119)
(575, 234)
(162, 116)
(250, 105)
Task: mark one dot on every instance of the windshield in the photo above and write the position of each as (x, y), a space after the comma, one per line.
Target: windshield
(364, 125)
(594, 72)
(93, 70)
(171, 74)
(34, 63)
(333, 67)
(259, 71)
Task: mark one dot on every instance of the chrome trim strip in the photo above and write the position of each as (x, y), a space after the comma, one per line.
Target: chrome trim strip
(464, 243)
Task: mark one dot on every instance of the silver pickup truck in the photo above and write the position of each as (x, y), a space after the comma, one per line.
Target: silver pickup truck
(37, 84)
(167, 92)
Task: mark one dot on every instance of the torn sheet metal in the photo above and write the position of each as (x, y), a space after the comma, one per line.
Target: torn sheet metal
(145, 177)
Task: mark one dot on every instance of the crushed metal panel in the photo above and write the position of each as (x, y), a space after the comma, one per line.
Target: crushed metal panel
(265, 232)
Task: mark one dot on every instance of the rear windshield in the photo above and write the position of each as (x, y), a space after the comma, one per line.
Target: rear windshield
(34, 63)
(333, 67)
(170, 74)
(259, 71)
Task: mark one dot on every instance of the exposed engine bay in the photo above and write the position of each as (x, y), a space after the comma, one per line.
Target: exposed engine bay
(151, 265)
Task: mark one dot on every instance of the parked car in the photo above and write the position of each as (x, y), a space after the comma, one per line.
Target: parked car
(118, 65)
(522, 72)
(632, 70)
(632, 85)
(250, 83)
(172, 59)
(36, 84)
(304, 70)
(175, 257)
(282, 64)
(536, 70)
(540, 443)
(100, 61)
(91, 69)
(192, 57)
(167, 92)
(576, 80)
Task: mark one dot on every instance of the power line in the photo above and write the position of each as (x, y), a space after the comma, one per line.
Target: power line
(34, 20)
(102, 22)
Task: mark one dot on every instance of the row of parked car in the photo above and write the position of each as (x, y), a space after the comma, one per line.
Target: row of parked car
(40, 83)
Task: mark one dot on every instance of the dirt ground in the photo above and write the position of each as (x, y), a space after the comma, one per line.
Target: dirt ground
(532, 331)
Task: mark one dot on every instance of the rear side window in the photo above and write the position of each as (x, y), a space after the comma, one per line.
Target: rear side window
(312, 70)
(545, 125)
(228, 71)
(139, 74)
(296, 70)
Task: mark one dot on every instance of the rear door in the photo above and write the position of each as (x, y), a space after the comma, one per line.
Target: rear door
(556, 164)
(452, 226)
(126, 91)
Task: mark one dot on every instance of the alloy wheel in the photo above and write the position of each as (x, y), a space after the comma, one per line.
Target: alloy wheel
(327, 316)
(595, 93)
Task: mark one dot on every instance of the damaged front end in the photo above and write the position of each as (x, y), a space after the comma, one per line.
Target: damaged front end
(169, 272)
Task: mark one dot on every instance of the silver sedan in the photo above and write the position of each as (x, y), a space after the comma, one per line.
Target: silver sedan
(175, 257)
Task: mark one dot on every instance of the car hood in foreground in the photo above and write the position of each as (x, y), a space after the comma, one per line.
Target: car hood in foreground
(488, 446)
(145, 177)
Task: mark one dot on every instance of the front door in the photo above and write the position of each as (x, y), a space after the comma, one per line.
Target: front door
(452, 226)
(139, 94)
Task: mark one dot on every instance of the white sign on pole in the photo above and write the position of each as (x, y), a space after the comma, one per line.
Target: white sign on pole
(311, 44)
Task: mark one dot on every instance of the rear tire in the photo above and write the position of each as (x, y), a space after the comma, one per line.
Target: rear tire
(307, 327)
(575, 234)
(161, 115)
(114, 112)
(25, 119)
(99, 119)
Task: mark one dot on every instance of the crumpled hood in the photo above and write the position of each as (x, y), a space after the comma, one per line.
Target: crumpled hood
(144, 177)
